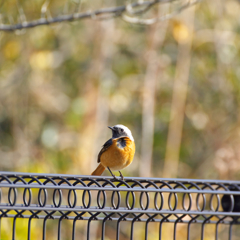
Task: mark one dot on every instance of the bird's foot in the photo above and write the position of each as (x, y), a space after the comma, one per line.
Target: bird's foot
(121, 175)
(112, 173)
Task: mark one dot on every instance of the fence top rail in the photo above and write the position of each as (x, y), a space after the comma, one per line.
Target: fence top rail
(185, 180)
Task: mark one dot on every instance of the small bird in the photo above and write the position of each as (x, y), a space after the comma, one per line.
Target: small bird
(117, 153)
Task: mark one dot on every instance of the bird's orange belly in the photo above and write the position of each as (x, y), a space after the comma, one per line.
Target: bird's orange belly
(117, 158)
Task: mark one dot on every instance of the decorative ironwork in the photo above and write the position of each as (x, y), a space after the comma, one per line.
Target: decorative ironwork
(105, 199)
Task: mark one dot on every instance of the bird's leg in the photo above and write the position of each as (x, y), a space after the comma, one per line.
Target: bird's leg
(121, 175)
(111, 173)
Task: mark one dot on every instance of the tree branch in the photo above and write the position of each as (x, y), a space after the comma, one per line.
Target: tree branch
(100, 14)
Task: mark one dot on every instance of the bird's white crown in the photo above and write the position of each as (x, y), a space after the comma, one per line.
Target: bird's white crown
(126, 130)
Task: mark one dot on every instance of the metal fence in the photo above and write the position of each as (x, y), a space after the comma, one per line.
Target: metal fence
(51, 206)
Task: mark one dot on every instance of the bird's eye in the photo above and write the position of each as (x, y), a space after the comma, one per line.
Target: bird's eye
(121, 130)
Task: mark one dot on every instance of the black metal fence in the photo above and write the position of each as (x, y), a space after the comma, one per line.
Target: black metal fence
(51, 206)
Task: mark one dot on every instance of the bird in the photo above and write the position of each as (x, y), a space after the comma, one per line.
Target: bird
(116, 153)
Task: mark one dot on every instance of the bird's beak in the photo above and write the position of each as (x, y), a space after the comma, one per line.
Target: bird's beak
(111, 128)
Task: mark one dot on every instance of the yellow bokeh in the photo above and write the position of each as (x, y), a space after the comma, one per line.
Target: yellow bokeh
(11, 50)
(41, 60)
(181, 32)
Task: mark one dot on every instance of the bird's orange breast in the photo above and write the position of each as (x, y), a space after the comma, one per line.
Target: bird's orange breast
(117, 158)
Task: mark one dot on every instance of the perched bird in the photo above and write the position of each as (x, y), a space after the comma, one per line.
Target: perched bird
(118, 152)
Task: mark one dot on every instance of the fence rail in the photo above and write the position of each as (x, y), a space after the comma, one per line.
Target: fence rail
(45, 197)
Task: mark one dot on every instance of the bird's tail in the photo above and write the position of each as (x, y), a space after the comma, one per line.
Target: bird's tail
(99, 170)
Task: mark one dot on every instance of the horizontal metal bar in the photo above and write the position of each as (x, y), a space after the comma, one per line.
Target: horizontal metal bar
(185, 180)
(107, 188)
(119, 210)
(157, 220)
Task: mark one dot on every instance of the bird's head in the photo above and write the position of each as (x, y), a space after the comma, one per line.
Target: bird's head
(121, 131)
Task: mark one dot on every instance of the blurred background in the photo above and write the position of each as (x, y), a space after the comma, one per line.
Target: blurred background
(175, 84)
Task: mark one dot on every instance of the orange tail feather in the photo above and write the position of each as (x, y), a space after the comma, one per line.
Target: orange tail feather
(99, 170)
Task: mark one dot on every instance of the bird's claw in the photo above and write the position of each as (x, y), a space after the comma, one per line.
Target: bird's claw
(121, 175)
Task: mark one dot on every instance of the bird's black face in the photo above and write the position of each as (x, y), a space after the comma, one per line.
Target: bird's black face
(118, 132)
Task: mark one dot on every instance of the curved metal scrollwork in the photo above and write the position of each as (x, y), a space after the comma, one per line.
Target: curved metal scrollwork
(132, 199)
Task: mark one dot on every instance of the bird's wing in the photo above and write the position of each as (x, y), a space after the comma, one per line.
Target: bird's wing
(106, 145)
